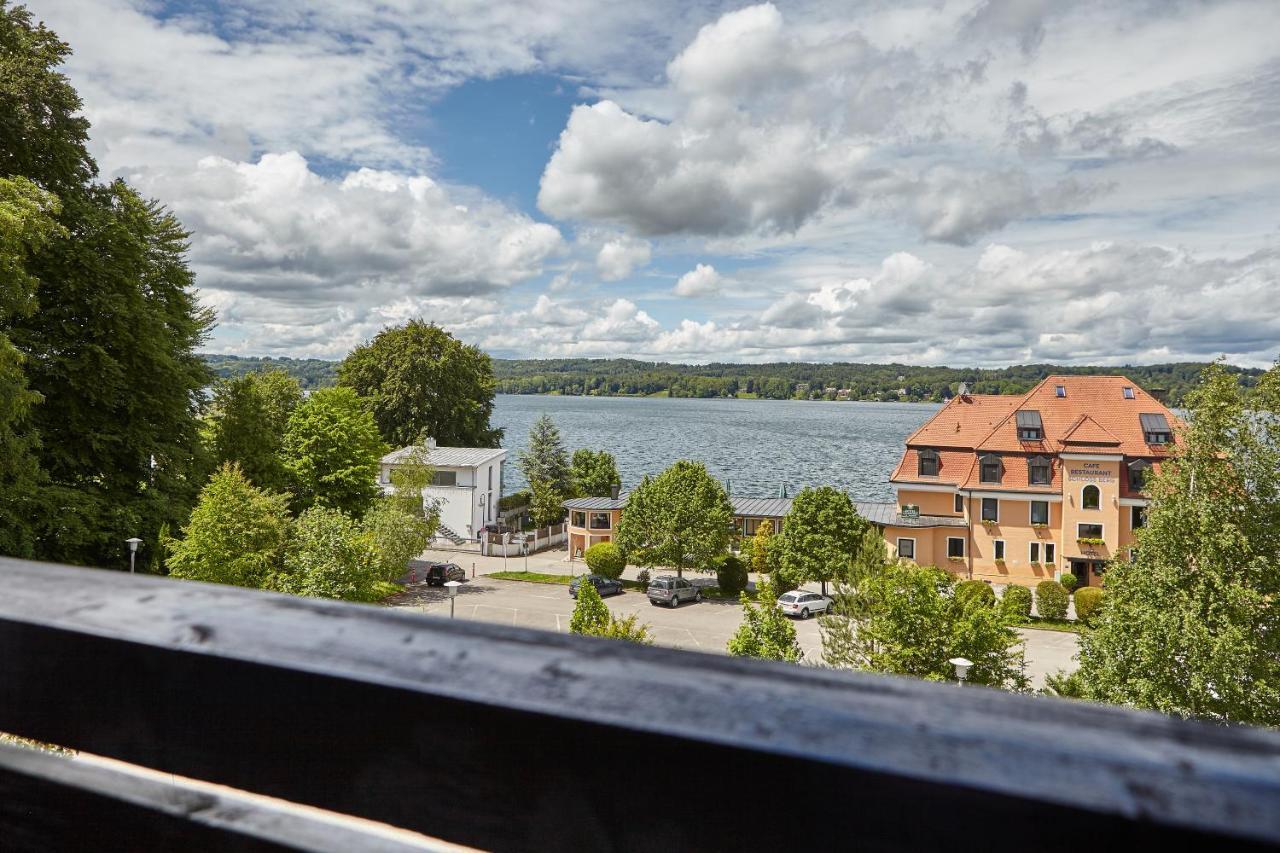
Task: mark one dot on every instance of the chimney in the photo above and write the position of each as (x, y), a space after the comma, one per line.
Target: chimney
(1161, 395)
(431, 443)
(614, 489)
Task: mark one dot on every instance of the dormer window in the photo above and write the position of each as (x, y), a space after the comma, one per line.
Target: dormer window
(1030, 427)
(1060, 390)
(1155, 429)
(928, 465)
(1128, 392)
(990, 469)
(1138, 469)
(1039, 471)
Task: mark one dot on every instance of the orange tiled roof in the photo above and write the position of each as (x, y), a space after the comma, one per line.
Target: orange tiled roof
(1087, 431)
(953, 467)
(963, 421)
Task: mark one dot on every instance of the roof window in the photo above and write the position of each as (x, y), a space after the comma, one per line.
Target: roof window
(1060, 390)
(1030, 427)
(1155, 429)
(1128, 392)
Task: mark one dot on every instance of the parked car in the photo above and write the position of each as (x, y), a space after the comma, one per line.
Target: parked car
(671, 590)
(803, 604)
(438, 573)
(605, 586)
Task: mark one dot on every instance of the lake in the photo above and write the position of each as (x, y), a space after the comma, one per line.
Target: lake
(755, 444)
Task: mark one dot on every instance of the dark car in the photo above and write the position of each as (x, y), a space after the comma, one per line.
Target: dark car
(671, 590)
(604, 586)
(438, 573)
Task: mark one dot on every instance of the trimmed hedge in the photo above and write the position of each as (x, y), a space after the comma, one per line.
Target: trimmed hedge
(1016, 602)
(1051, 600)
(1088, 601)
(731, 574)
(1069, 581)
(975, 592)
(604, 558)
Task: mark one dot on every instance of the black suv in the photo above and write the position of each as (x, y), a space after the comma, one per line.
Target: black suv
(438, 573)
(604, 586)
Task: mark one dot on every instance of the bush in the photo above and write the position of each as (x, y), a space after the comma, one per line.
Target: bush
(604, 558)
(1088, 600)
(1069, 581)
(975, 592)
(1051, 600)
(1016, 602)
(731, 574)
(643, 577)
(515, 499)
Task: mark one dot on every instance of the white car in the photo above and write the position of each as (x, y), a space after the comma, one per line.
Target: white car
(803, 604)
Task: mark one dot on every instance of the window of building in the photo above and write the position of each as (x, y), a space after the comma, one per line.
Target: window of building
(579, 519)
(1048, 552)
(928, 463)
(599, 521)
(959, 503)
(1155, 429)
(1138, 474)
(999, 549)
(991, 469)
(1039, 471)
(1128, 392)
(1035, 552)
(1091, 497)
(1088, 531)
(955, 546)
(1030, 427)
(1039, 512)
(1060, 390)
(990, 509)
(1137, 516)
(491, 478)
(444, 478)
(907, 549)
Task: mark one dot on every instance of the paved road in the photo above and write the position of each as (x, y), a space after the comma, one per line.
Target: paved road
(704, 627)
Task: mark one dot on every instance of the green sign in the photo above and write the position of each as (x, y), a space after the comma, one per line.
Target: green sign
(910, 511)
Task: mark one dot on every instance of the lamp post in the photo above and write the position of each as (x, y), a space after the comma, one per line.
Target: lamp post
(452, 586)
(133, 543)
(962, 669)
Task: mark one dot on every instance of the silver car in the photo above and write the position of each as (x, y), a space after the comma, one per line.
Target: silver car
(671, 590)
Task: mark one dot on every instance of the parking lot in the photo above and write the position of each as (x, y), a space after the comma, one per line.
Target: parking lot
(702, 627)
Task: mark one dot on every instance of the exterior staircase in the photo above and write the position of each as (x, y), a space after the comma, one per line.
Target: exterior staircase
(445, 532)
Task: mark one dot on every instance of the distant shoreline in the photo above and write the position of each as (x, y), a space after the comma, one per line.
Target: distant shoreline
(662, 395)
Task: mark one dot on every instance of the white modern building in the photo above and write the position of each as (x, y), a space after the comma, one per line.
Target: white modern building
(466, 483)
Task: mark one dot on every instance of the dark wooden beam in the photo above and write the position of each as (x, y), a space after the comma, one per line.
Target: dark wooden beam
(515, 739)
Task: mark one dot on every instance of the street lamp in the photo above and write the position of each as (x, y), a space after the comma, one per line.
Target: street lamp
(452, 586)
(962, 668)
(133, 544)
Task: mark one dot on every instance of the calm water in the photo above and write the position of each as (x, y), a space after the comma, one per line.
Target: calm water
(755, 444)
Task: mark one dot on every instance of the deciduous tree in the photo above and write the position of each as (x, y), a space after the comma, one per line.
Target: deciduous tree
(247, 422)
(820, 538)
(332, 451)
(328, 556)
(594, 473)
(590, 615)
(765, 632)
(681, 518)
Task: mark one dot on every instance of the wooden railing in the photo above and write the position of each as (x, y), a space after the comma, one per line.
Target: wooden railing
(514, 739)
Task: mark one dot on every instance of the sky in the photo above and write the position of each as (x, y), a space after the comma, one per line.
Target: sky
(969, 183)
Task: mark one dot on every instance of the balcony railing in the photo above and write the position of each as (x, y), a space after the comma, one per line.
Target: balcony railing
(514, 739)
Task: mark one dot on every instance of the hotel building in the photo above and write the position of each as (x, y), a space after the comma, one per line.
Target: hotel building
(1042, 483)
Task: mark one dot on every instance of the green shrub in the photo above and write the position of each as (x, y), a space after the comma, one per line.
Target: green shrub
(1088, 600)
(1069, 581)
(1051, 600)
(604, 558)
(731, 574)
(975, 592)
(515, 499)
(1016, 602)
(643, 577)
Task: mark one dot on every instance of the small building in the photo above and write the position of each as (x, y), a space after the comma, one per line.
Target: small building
(592, 520)
(466, 484)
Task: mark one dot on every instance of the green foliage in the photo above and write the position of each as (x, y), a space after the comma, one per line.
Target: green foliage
(643, 577)
(1068, 685)
(594, 473)
(310, 373)
(546, 505)
(907, 620)
(820, 538)
(1192, 627)
(545, 464)
(1068, 580)
(396, 536)
(1051, 600)
(1088, 601)
(604, 558)
(979, 593)
(515, 499)
(328, 557)
(627, 629)
(765, 632)
(423, 382)
(1016, 602)
(590, 615)
(246, 424)
(681, 518)
(731, 574)
(236, 534)
(332, 451)
(763, 556)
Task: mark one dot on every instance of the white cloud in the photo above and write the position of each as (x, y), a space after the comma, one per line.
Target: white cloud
(619, 257)
(702, 280)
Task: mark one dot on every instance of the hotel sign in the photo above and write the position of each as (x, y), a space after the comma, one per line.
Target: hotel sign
(910, 511)
(1092, 472)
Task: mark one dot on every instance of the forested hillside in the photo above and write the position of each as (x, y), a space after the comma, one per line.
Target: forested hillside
(791, 380)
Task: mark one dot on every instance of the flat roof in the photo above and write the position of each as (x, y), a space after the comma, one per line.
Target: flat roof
(449, 457)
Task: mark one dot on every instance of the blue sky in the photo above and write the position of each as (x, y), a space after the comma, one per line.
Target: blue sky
(965, 182)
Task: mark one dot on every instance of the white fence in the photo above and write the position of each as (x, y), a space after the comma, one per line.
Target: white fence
(517, 544)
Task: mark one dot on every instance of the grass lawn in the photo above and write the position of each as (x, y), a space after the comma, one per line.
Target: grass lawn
(381, 590)
(1065, 625)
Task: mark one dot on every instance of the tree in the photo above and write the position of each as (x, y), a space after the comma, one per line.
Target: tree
(765, 632)
(546, 505)
(681, 518)
(545, 459)
(590, 615)
(604, 558)
(400, 525)
(1192, 626)
(328, 557)
(422, 382)
(763, 556)
(905, 620)
(594, 474)
(247, 421)
(821, 537)
(332, 451)
(236, 534)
